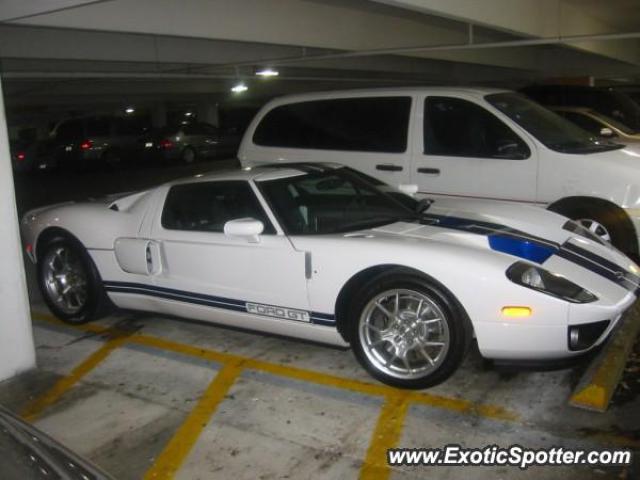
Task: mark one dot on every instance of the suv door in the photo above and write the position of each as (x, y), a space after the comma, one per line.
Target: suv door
(465, 150)
(202, 265)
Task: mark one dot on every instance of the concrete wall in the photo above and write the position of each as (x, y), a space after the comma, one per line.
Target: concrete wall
(17, 352)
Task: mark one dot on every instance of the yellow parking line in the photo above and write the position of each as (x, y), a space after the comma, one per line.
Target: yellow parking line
(385, 436)
(429, 399)
(599, 382)
(63, 385)
(176, 451)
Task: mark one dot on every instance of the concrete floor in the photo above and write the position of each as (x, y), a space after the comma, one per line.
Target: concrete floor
(295, 410)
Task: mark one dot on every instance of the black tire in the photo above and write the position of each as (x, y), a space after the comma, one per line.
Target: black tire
(615, 221)
(188, 155)
(96, 305)
(459, 326)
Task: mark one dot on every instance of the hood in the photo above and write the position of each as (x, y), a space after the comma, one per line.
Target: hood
(534, 221)
(524, 233)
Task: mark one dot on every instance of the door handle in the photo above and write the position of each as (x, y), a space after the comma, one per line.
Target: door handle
(149, 258)
(388, 167)
(429, 171)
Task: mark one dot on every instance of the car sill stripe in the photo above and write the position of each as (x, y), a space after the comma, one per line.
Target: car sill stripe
(318, 318)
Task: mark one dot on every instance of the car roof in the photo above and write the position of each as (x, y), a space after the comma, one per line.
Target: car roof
(259, 172)
(389, 91)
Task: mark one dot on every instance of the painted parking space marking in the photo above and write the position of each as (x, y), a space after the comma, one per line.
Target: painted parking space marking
(62, 386)
(386, 435)
(178, 448)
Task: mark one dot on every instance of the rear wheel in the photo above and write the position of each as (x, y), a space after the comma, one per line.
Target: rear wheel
(407, 331)
(70, 283)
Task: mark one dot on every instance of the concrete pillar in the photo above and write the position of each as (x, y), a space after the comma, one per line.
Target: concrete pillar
(159, 115)
(208, 113)
(17, 352)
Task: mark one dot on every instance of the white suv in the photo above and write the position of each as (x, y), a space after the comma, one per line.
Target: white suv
(460, 144)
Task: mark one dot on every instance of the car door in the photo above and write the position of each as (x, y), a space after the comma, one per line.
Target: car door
(464, 150)
(202, 265)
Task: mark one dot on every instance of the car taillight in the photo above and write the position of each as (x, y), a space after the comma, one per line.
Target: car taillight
(166, 143)
(21, 156)
(86, 145)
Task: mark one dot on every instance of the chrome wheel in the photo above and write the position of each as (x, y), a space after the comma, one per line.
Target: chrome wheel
(596, 228)
(404, 334)
(65, 279)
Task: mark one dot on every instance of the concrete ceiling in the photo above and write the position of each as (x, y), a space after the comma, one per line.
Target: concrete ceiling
(74, 52)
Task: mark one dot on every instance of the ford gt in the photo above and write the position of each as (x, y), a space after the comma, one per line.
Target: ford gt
(324, 253)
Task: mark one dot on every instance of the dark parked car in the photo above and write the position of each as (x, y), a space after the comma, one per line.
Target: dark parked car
(606, 101)
(27, 453)
(98, 140)
(27, 157)
(192, 141)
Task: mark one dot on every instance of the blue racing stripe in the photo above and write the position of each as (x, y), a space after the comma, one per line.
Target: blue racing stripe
(319, 318)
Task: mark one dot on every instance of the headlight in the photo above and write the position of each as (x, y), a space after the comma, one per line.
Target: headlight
(543, 281)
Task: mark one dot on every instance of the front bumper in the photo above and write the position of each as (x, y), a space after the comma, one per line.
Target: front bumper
(524, 340)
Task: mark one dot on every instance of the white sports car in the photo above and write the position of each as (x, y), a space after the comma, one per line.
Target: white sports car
(321, 252)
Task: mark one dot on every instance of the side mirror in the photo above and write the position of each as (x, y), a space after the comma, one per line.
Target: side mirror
(408, 189)
(248, 228)
(606, 132)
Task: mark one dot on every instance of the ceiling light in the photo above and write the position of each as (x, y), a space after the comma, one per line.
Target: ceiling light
(188, 114)
(267, 72)
(239, 88)
(130, 110)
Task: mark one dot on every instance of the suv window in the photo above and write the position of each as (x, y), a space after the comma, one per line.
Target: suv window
(368, 124)
(456, 127)
(206, 207)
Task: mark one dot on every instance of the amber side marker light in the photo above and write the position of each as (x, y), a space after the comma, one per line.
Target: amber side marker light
(516, 312)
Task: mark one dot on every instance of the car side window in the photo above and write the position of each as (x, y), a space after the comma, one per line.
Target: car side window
(459, 128)
(70, 130)
(207, 206)
(365, 124)
(98, 127)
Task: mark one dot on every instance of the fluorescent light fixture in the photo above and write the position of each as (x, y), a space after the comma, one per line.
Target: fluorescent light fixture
(239, 88)
(267, 72)
(129, 110)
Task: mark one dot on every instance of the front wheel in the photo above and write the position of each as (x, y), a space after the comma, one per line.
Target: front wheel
(408, 332)
(610, 224)
(70, 283)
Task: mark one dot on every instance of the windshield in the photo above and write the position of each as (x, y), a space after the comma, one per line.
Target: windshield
(334, 201)
(551, 129)
(617, 124)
